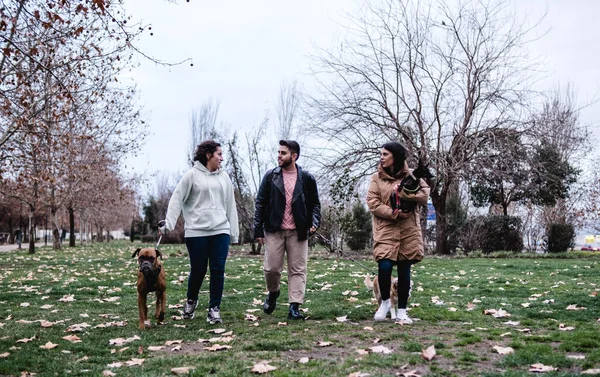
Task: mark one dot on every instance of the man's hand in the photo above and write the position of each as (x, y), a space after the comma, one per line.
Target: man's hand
(261, 241)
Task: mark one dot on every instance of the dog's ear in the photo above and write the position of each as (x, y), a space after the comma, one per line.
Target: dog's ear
(136, 252)
(158, 254)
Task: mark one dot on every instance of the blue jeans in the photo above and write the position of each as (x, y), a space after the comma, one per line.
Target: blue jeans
(385, 279)
(204, 252)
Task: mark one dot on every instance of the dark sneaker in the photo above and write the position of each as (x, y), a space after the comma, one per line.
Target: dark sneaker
(270, 302)
(294, 312)
(189, 308)
(214, 316)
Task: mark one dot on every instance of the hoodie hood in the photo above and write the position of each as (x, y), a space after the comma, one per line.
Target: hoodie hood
(198, 165)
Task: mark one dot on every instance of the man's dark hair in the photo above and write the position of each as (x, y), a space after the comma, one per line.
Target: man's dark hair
(292, 145)
(205, 147)
(399, 154)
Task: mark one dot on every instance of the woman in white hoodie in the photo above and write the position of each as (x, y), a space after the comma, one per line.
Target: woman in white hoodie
(205, 196)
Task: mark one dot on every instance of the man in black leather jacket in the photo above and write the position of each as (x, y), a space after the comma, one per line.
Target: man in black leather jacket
(287, 211)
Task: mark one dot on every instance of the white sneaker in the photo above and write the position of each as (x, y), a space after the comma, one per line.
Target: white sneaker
(383, 310)
(403, 317)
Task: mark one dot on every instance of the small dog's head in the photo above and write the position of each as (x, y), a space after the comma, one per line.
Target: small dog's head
(422, 171)
(147, 258)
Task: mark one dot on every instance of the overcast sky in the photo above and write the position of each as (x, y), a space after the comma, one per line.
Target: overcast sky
(243, 50)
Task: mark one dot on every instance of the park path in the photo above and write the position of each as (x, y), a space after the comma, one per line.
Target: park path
(13, 247)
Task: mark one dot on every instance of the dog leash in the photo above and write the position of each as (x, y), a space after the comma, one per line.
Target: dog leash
(363, 266)
(161, 223)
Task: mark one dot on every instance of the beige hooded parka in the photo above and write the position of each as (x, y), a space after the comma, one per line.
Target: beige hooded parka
(394, 237)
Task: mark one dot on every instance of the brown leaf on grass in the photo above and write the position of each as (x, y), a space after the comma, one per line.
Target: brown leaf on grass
(324, 344)
(77, 327)
(381, 349)
(575, 307)
(134, 362)
(256, 301)
(358, 374)
(72, 338)
(591, 371)
(172, 342)
(108, 373)
(181, 370)
(67, 298)
(282, 324)
(594, 294)
(304, 360)
(342, 319)
(49, 346)
(504, 350)
(217, 331)
(26, 340)
(4, 355)
(155, 348)
(217, 347)
(501, 313)
(121, 341)
(250, 317)
(470, 306)
(115, 365)
(262, 367)
(563, 327)
(176, 348)
(368, 328)
(176, 306)
(412, 373)
(46, 324)
(541, 368)
(512, 323)
(429, 353)
(362, 352)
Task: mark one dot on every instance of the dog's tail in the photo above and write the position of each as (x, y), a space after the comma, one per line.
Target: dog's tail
(368, 282)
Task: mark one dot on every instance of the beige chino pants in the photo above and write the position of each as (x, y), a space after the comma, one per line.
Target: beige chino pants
(277, 244)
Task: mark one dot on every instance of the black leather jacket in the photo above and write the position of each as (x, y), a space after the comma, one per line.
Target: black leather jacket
(270, 204)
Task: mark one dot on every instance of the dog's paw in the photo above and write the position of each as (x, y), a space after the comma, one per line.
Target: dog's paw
(147, 324)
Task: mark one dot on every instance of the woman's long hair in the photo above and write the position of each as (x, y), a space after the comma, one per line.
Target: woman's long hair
(399, 154)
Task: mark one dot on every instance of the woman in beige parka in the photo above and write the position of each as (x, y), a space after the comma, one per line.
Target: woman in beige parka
(397, 237)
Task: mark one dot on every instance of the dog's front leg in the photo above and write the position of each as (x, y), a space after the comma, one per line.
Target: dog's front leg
(161, 305)
(143, 311)
(393, 311)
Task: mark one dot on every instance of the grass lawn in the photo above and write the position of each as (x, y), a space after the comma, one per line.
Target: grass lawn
(74, 312)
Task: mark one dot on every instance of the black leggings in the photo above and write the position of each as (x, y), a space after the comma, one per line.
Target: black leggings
(385, 279)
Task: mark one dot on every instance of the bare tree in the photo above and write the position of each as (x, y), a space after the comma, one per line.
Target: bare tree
(203, 124)
(287, 106)
(441, 79)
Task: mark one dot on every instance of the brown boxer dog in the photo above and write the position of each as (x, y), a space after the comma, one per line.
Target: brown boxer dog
(151, 278)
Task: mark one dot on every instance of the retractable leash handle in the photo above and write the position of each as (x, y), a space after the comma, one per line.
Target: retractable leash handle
(161, 224)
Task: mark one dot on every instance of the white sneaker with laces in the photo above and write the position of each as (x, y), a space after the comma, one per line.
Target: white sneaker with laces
(383, 310)
(403, 317)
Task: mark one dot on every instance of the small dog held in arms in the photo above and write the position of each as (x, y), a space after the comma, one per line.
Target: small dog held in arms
(410, 185)
(150, 278)
(374, 285)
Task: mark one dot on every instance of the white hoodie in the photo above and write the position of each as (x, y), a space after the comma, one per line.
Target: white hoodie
(208, 204)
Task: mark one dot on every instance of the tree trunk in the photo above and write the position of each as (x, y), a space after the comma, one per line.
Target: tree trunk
(72, 227)
(31, 230)
(107, 235)
(441, 224)
(55, 229)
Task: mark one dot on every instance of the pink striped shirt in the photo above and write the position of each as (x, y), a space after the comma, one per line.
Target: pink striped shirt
(289, 182)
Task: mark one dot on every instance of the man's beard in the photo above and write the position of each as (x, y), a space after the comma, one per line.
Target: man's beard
(285, 163)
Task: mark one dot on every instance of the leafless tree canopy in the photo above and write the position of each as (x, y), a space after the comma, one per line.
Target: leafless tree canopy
(203, 124)
(440, 78)
(287, 107)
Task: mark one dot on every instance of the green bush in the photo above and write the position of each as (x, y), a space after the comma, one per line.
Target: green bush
(149, 238)
(561, 237)
(492, 233)
(357, 227)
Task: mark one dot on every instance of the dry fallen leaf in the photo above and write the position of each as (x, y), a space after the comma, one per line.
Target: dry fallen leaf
(575, 307)
(504, 350)
(134, 361)
(26, 340)
(563, 327)
(217, 347)
(46, 324)
(591, 371)
(108, 373)
(155, 348)
(342, 319)
(541, 368)
(358, 374)
(282, 324)
(380, 349)
(428, 353)
(217, 331)
(368, 328)
(324, 344)
(49, 346)
(72, 338)
(4, 355)
(262, 367)
(304, 360)
(512, 323)
(172, 342)
(412, 373)
(250, 317)
(115, 365)
(181, 370)
(362, 352)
